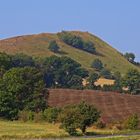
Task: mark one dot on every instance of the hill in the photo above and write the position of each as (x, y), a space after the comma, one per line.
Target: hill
(37, 45)
(114, 106)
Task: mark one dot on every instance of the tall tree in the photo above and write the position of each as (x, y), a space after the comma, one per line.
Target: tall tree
(132, 80)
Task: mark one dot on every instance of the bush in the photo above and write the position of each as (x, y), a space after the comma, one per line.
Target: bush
(38, 117)
(51, 114)
(78, 116)
(25, 116)
(100, 124)
(77, 42)
(53, 47)
(97, 64)
(132, 122)
(106, 74)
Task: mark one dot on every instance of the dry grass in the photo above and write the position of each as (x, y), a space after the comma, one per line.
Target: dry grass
(37, 45)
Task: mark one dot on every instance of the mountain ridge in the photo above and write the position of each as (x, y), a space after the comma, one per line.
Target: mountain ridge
(37, 45)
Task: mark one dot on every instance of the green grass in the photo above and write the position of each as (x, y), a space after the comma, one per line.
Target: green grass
(22, 130)
(37, 45)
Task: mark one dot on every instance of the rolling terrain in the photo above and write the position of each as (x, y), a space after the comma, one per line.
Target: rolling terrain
(37, 46)
(114, 106)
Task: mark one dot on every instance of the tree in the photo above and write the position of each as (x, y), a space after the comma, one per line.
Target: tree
(131, 80)
(22, 60)
(5, 61)
(53, 46)
(77, 42)
(78, 116)
(97, 64)
(69, 118)
(63, 72)
(92, 79)
(8, 106)
(130, 57)
(106, 73)
(89, 115)
(26, 89)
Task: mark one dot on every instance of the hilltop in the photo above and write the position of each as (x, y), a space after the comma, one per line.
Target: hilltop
(37, 46)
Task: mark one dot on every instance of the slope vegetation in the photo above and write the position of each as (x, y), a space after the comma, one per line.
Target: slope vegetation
(37, 45)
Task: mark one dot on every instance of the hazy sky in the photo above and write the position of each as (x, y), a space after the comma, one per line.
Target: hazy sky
(115, 21)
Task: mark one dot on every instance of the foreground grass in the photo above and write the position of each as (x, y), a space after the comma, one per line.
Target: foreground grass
(17, 129)
(115, 138)
(21, 130)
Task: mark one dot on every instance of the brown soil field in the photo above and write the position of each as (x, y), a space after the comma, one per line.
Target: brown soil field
(114, 106)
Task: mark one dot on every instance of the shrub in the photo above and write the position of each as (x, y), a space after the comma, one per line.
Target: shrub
(77, 42)
(78, 116)
(53, 46)
(38, 117)
(132, 122)
(26, 116)
(97, 64)
(100, 124)
(106, 73)
(51, 114)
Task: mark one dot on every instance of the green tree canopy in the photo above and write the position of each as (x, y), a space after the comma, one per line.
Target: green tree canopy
(97, 64)
(25, 87)
(63, 72)
(132, 80)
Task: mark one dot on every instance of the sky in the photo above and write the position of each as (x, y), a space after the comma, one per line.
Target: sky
(115, 21)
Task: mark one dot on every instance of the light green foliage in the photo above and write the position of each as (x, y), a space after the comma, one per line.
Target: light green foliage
(51, 114)
(78, 116)
(132, 122)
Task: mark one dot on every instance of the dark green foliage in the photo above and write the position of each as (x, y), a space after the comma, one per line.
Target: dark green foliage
(51, 114)
(132, 122)
(8, 105)
(89, 47)
(22, 60)
(53, 47)
(92, 79)
(97, 64)
(2, 71)
(63, 72)
(106, 74)
(131, 80)
(5, 61)
(78, 116)
(130, 57)
(25, 88)
(77, 42)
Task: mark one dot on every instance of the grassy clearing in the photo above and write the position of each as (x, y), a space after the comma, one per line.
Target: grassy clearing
(21, 130)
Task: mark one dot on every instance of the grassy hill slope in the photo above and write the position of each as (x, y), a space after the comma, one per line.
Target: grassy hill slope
(37, 45)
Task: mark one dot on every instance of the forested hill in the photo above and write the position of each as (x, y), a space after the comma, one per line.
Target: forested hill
(80, 46)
